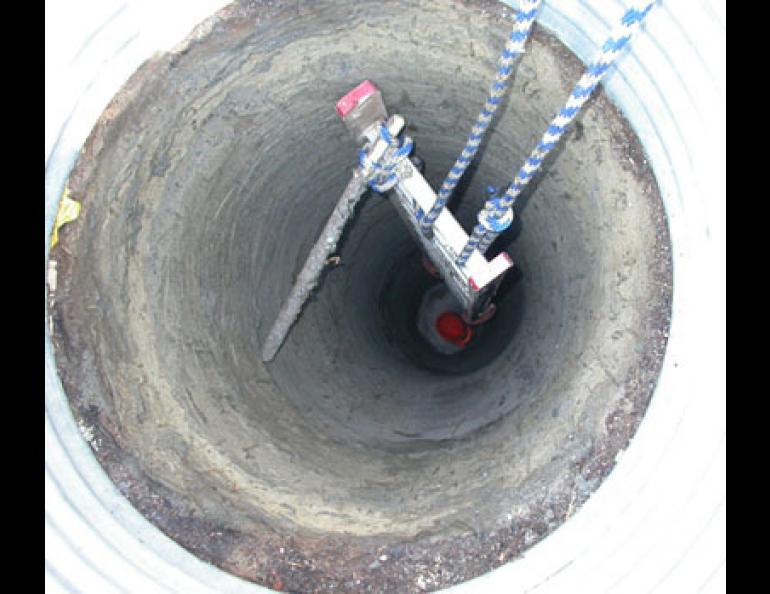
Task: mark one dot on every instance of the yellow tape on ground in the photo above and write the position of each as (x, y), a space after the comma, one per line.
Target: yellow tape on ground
(69, 210)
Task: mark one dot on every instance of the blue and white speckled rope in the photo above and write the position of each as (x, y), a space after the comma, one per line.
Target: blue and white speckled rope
(497, 210)
(513, 48)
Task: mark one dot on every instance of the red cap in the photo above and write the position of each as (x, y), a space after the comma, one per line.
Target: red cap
(354, 97)
(452, 328)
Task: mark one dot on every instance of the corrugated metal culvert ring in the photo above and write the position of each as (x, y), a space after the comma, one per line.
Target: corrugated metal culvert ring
(117, 550)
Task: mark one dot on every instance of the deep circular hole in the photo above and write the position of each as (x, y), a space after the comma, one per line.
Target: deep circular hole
(360, 452)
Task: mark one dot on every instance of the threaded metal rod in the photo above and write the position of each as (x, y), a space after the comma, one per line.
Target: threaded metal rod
(308, 277)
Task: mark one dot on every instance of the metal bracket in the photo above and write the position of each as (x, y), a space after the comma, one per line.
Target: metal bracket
(475, 282)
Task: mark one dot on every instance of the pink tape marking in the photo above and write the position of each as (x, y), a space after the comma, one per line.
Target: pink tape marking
(354, 97)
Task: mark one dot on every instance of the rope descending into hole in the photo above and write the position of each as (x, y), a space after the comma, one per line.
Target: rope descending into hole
(514, 47)
(497, 213)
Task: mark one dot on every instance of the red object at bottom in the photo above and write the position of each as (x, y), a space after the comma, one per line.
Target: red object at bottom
(452, 328)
